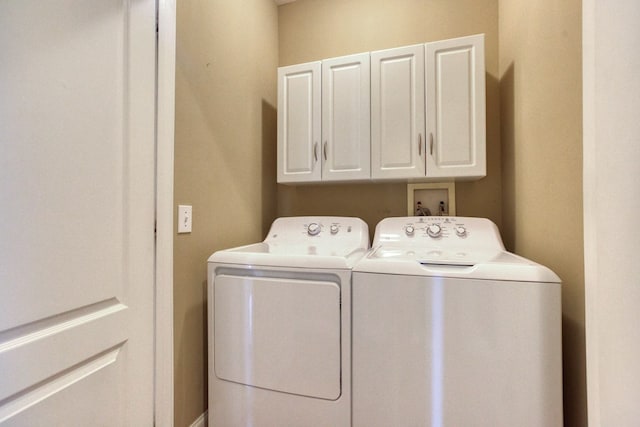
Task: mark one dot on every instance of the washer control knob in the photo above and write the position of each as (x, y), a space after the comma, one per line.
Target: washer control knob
(313, 229)
(409, 230)
(334, 229)
(461, 231)
(434, 230)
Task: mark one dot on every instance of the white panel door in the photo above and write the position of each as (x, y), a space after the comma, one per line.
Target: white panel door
(299, 126)
(346, 114)
(77, 84)
(397, 113)
(456, 108)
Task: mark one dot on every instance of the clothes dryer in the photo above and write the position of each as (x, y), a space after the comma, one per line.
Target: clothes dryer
(279, 325)
(449, 329)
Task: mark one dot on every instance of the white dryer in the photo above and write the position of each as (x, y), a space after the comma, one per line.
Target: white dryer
(449, 329)
(279, 325)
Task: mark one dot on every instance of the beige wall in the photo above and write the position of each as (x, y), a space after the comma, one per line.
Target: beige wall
(311, 30)
(541, 114)
(224, 160)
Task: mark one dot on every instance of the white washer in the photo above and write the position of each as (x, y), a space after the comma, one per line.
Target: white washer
(449, 329)
(279, 325)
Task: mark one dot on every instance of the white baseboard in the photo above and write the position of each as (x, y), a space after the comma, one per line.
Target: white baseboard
(201, 421)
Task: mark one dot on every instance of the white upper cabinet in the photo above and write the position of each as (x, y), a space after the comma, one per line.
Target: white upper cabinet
(299, 123)
(397, 113)
(346, 118)
(456, 108)
(410, 113)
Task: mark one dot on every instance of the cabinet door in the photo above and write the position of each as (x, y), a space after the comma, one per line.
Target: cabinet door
(346, 130)
(456, 108)
(397, 113)
(299, 123)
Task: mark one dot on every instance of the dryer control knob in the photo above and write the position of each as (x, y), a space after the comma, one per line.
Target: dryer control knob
(334, 229)
(409, 230)
(461, 231)
(313, 229)
(434, 230)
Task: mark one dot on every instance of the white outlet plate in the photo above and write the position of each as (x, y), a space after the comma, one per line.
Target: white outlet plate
(185, 218)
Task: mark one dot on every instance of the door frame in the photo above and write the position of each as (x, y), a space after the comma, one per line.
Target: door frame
(165, 116)
(609, 147)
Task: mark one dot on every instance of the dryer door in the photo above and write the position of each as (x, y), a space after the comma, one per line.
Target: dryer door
(278, 333)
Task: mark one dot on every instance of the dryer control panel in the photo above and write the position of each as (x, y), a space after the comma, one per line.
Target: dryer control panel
(329, 231)
(440, 231)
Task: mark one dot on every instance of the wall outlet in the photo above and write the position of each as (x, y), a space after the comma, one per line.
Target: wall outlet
(184, 218)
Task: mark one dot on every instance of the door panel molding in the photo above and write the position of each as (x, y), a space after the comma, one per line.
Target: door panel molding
(26, 334)
(25, 399)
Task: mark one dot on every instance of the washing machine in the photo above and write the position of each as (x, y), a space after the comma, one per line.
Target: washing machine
(449, 329)
(279, 325)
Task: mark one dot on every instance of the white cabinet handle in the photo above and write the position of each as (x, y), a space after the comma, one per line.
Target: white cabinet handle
(431, 144)
(315, 151)
(324, 150)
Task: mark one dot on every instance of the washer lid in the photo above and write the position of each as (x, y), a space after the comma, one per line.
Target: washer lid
(448, 247)
(474, 264)
(435, 255)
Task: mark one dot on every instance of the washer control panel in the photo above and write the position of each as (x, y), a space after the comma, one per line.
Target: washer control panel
(441, 231)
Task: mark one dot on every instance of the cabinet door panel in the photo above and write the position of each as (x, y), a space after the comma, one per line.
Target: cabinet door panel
(397, 113)
(456, 107)
(346, 118)
(299, 123)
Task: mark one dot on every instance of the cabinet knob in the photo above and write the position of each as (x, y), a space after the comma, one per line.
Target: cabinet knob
(324, 150)
(315, 151)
